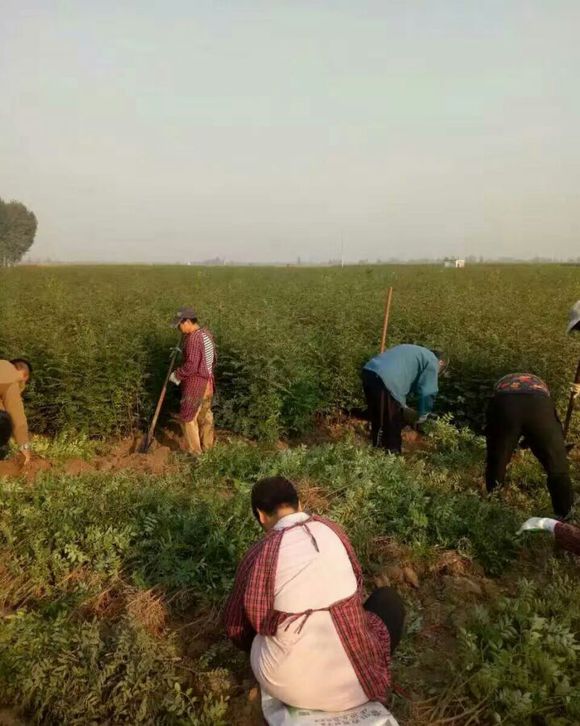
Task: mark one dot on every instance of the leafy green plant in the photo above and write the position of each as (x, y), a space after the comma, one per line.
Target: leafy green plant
(60, 671)
(520, 656)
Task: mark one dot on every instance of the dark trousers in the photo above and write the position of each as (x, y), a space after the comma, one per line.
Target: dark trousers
(387, 604)
(5, 433)
(512, 415)
(386, 418)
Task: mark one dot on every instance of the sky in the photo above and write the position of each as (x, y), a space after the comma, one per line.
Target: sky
(178, 130)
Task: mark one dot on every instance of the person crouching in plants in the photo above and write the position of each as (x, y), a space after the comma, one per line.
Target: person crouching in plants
(388, 379)
(14, 375)
(196, 378)
(521, 406)
(297, 608)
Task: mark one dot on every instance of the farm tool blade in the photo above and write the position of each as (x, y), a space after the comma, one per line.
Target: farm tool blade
(570, 408)
(148, 438)
(383, 345)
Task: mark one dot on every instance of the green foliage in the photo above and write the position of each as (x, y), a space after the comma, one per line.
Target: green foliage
(64, 446)
(520, 655)
(17, 230)
(290, 341)
(187, 532)
(68, 542)
(77, 673)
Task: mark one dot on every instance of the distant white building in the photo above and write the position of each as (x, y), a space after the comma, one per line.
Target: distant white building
(454, 263)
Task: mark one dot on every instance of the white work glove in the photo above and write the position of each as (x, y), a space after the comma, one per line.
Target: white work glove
(537, 524)
(575, 390)
(174, 379)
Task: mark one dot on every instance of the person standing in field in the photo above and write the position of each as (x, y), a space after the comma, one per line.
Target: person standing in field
(14, 375)
(522, 406)
(196, 378)
(297, 607)
(388, 379)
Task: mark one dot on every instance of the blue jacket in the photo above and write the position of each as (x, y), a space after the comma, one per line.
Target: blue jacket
(407, 369)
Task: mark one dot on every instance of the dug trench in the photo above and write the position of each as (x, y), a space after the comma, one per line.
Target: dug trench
(122, 455)
(125, 454)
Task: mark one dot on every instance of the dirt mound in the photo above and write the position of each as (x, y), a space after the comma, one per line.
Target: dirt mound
(155, 461)
(14, 467)
(123, 455)
(74, 467)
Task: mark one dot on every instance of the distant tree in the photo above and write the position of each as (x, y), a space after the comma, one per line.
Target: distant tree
(17, 229)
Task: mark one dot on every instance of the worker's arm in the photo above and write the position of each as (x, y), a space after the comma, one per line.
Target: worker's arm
(15, 409)
(238, 627)
(566, 535)
(427, 388)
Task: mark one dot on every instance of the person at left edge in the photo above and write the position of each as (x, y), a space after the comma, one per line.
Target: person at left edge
(196, 378)
(14, 375)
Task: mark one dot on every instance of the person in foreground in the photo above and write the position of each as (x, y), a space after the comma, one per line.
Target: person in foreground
(297, 607)
(522, 406)
(388, 379)
(14, 375)
(196, 378)
(567, 536)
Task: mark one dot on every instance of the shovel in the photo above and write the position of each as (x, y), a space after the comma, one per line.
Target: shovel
(571, 406)
(148, 438)
(383, 345)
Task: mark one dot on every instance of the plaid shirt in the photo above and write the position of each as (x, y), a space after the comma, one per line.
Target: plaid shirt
(250, 610)
(568, 537)
(196, 372)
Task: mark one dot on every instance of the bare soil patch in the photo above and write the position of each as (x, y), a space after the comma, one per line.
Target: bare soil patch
(123, 455)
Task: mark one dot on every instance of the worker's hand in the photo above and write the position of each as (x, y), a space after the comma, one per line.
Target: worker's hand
(575, 390)
(537, 524)
(174, 379)
(26, 455)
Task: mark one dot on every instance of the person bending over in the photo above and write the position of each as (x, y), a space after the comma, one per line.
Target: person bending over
(388, 379)
(522, 406)
(297, 607)
(14, 375)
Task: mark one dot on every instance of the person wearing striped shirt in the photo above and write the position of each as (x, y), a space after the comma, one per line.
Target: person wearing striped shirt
(196, 378)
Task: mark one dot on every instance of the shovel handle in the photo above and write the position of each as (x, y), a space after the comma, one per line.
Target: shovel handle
(149, 437)
(571, 404)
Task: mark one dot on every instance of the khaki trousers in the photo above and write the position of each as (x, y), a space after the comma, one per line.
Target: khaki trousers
(199, 433)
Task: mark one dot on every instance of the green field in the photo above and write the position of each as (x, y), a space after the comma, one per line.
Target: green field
(111, 578)
(291, 341)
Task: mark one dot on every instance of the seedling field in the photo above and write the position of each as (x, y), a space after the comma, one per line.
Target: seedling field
(113, 568)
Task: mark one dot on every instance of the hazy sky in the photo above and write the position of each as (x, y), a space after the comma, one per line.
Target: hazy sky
(178, 129)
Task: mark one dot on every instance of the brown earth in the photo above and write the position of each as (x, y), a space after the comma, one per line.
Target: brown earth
(8, 717)
(124, 455)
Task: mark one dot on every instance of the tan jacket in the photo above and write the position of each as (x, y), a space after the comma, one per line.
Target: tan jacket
(11, 401)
